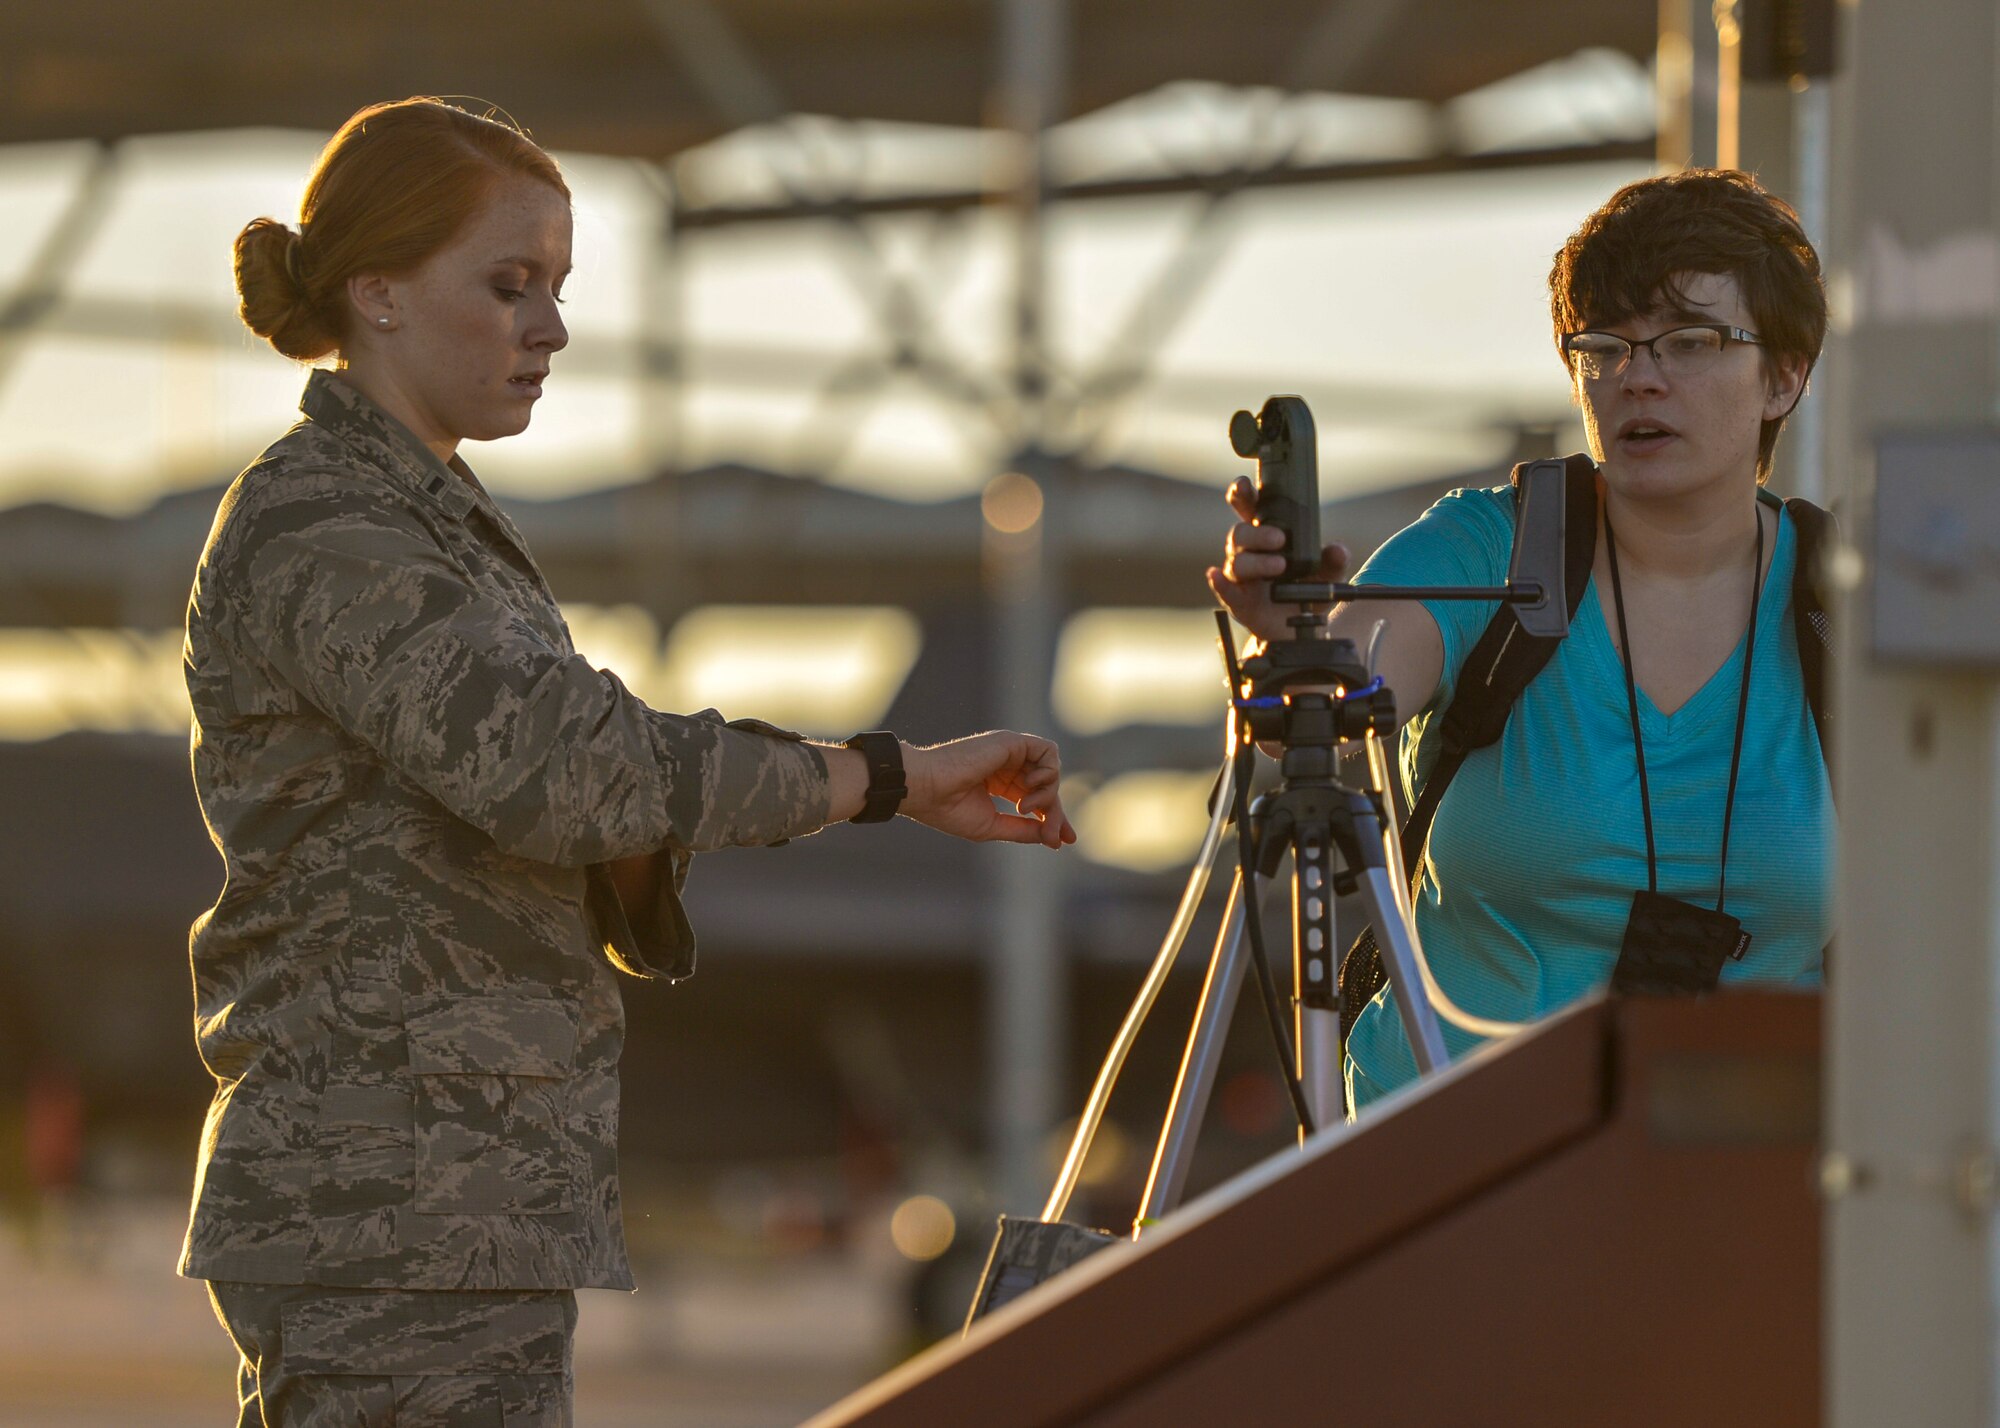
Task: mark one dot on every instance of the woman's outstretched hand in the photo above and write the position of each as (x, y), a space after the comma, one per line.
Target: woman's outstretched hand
(1243, 581)
(952, 788)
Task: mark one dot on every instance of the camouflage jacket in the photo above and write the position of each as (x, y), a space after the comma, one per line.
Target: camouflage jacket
(406, 989)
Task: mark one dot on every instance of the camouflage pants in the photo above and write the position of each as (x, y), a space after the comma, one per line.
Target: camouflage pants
(317, 1357)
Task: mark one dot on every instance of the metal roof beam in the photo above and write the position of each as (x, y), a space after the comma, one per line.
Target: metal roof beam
(1336, 50)
(715, 60)
(1221, 181)
(743, 91)
(40, 289)
(1134, 350)
(741, 364)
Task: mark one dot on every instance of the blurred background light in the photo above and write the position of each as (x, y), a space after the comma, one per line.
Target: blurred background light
(1592, 95)
(1114, 1153)
(1011, 503)
(112, 681)
(1124, 666)
(624, 639)
(825, 670)
(1149, 821)
(138, 379)
(923, 1227)
(821, 670)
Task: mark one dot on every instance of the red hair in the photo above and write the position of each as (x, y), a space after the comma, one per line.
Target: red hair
(392, 188)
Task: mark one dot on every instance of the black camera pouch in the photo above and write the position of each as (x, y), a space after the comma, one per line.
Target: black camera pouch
(1673, 948)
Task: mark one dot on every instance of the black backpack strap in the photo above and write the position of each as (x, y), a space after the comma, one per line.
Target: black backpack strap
(1819, 537)
(1506, 658)
(1501, 665)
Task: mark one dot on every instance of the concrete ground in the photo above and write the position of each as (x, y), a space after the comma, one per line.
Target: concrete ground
(101, 1334)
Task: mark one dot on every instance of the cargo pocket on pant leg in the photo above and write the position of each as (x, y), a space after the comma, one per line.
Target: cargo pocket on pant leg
(512, 1401)
(539, 1400)
(492, 1086)
(420, 1359)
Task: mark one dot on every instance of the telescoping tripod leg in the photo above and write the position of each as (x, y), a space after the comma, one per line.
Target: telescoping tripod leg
(1192, 1088)
(1318, 1032)
(1399, 959)
(1316, 1006)
(1383, 883)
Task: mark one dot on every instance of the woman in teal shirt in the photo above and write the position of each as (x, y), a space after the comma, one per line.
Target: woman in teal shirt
(1689, 311)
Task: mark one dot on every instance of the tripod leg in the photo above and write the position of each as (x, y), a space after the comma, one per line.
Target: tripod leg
(1399, 960)
(1319, 1065)
(1315, 1001)
(1175, 1152)
(1387, 890)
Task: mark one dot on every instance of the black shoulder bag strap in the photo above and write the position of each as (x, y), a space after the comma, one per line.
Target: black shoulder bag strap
(1818, 537)
(1501, 665)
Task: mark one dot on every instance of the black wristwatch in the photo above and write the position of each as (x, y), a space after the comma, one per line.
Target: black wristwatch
(886, 788)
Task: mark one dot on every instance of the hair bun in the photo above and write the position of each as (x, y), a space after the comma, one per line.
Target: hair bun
(295, 245)
(274, 299)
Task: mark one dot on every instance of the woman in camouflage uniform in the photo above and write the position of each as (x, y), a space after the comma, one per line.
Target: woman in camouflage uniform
(444, 832)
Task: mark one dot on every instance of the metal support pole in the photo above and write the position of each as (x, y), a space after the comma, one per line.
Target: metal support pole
(1028, 997)
(651, 533)
(1028, 993)
(663, 358)
(1726, 38)
(1812, 140)
(1697, 99)
(1913, 1024)
(1784, 122)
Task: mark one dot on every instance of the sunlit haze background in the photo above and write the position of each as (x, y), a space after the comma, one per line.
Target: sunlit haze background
(1414, 309)
(1410, 312)
(804, 1174)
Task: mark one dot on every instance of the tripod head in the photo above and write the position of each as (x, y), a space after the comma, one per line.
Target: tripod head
(1283, 695)
(1281, 437)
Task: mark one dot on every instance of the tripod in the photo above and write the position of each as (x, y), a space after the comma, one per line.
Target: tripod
(1340, 842)
(1308, 693)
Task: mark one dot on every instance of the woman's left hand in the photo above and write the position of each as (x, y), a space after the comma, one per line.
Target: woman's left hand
(952, 788)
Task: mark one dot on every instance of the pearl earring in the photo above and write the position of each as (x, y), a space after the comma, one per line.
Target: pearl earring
(383, 320)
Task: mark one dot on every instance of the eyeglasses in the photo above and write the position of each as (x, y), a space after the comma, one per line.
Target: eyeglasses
(1600, 356)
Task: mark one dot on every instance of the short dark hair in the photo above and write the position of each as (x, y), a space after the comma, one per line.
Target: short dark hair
(1625, 258)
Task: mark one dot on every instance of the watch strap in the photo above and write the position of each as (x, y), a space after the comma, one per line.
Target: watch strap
(886, 786)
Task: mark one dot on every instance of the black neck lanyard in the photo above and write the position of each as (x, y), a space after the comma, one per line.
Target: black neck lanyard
(1632, 702)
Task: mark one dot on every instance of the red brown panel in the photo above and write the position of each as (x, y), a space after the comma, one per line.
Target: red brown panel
(1609, 1220)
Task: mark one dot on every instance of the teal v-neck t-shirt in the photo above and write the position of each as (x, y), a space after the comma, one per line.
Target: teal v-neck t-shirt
(1540, 843)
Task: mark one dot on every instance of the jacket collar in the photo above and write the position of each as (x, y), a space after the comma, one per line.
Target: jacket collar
(385, 442)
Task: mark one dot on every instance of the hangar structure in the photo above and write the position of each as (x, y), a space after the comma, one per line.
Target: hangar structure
(656, 80)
